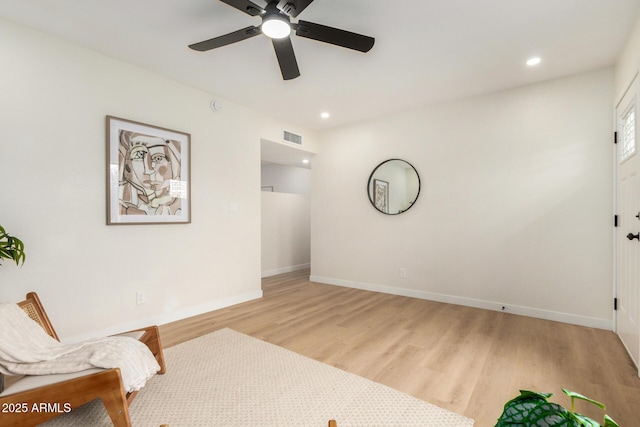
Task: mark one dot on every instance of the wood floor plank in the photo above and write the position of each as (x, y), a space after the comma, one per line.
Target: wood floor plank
(467, 360)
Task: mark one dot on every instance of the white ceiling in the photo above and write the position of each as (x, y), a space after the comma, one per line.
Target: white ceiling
(426, 51)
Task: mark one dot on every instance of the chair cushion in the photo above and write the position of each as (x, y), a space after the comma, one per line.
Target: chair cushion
(29, 382)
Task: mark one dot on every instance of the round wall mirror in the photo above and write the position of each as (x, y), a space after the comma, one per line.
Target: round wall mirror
(394, 186)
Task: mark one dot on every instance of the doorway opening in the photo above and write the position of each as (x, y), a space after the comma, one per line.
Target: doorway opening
(285, 208)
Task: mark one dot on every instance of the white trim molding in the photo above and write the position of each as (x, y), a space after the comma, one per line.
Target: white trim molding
(282, 270)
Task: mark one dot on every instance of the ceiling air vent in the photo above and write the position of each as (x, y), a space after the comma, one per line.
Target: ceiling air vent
(292, 137)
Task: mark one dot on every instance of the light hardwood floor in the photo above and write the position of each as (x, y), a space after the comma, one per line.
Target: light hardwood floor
(467, 360)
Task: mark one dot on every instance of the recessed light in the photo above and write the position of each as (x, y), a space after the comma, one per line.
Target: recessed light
(325, 115)
(305, 161)
(533, 61)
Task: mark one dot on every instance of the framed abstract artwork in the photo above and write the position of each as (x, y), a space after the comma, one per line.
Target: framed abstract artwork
(148, 174)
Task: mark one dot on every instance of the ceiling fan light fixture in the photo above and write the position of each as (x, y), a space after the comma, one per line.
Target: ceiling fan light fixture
(276, 26)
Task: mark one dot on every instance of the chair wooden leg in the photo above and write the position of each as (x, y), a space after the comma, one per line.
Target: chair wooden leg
(116, 405)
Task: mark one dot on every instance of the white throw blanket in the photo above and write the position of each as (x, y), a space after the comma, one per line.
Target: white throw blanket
(26, 349)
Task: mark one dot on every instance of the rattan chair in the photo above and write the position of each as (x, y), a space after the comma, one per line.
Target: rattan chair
(31, 400)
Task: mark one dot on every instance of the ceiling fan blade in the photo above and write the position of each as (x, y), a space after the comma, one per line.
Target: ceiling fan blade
(234, 37)
(294, 7)
(334, 36)
(286, 58)
(245, 6)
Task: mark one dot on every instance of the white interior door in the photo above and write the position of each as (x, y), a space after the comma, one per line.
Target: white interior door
(628, 231)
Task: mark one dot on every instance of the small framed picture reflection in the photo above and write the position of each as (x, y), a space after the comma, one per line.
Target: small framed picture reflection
(381, 195)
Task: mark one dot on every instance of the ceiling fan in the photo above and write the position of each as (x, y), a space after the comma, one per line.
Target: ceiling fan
(276, 24)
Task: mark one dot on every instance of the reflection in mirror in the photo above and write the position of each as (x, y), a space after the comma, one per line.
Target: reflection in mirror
(394, 186)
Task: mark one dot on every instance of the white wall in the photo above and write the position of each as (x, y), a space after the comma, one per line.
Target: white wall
(286, 232)
(286, 179)
(628, 62)
(515, 208)
(53, 103)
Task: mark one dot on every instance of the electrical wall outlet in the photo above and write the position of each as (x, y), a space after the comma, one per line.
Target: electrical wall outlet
(403, 273)
(140, 297)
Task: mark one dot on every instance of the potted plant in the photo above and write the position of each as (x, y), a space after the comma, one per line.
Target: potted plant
(534, 409)
(11, 248)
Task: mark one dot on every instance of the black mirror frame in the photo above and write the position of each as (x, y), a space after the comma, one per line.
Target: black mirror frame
(371, 177)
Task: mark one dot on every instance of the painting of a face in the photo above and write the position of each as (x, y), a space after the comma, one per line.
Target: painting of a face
(160, 164)
(150, 164)
(148, 174)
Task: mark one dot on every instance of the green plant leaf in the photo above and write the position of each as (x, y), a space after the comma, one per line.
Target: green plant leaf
(518, 409)
(11, 248)
(585, 421)
(609, 422)
(550, 414)
(533, 409)
(573, 395)
(528, 393)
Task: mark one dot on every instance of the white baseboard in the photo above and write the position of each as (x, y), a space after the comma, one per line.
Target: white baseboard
(169, 317)
(573, 319)
(282, 270)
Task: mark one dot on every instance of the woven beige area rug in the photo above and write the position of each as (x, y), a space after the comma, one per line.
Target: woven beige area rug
(230, 379)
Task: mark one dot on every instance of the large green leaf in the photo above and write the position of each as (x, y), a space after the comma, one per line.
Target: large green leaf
(517, 409)
(550, 414)
(533, 409)
(520, 409)
(585, 421)
(573, 395)
(516, 412)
